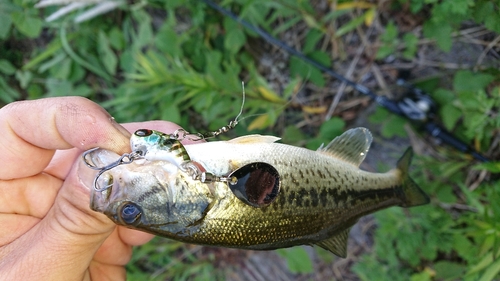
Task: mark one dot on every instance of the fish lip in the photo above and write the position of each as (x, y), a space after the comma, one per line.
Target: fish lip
(99, 199)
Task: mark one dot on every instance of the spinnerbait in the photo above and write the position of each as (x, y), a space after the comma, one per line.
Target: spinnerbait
(154, 145)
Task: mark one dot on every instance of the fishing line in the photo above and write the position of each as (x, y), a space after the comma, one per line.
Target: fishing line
(412, 108)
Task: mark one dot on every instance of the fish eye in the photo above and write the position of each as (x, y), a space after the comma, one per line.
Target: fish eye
(256, 184)
(143, 132)
(130, 213)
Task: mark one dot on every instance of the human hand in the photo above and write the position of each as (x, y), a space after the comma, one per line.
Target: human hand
(48, 230)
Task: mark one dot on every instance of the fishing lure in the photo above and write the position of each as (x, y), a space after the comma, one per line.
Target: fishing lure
(154, 145)
(256, 184)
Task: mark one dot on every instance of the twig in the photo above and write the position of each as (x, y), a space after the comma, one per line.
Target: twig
(486, 50)
(378, 76)
(348, 74)
(463, 207)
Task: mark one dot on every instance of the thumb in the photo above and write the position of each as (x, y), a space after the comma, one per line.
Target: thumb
(63, 244)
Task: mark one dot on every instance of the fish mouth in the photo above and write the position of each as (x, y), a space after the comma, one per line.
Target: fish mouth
(127, 182)
(104, 185)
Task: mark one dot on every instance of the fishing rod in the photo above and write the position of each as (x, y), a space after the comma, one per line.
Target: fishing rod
(417, 106)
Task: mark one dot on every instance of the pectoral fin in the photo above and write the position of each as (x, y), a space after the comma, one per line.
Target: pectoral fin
(255, 139)
(336, 244)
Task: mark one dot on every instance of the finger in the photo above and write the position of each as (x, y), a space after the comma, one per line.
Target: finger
(15, 225)
(114, 251)
(32, 196)
(106, 272)
(162, 126)
(133, 237)
(62, 245)
(30, 138)
(62, 162)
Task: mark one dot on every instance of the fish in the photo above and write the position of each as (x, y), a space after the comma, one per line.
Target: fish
(314, 197)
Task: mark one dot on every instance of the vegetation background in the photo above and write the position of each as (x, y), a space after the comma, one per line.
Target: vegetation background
(184, 62)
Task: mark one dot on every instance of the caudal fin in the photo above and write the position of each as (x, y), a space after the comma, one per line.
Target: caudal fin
(412, 194)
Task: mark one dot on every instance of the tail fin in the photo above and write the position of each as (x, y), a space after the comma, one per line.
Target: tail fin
(412, 194)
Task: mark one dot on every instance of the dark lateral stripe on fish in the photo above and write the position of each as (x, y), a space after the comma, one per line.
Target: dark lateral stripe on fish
(306, 197)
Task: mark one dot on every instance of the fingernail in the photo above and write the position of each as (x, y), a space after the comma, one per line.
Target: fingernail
(120, 128)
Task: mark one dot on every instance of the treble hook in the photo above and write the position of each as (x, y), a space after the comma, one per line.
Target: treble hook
(126, 158)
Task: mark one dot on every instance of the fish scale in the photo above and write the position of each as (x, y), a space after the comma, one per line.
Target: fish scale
(322, 194)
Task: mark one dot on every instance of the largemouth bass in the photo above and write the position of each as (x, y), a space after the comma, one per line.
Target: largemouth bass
(321, 196)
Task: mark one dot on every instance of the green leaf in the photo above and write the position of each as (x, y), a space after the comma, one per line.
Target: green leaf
(315, 143)
(446, 270)
(492, 22)
(321, 57)
(493, 167)
(58, 88)
(422, 276)
(24, 78)
(311, 40)
(411, 41)
(446, 195)
(459, 7)
(306, 71)
(234, 40)
(5, 24)
(62, 70)
(107, 55)
(144, 34)
(82, 90)
(27, 25)
(390, 34)
(491, 272)
(385, 50)
(171, 113)
(35, 91)
(116, 39)
(416, 6)
(465, 81)
(331, 128)
(450, 115)
(443, 96)
(464, 247)
(54, 61)
(297, 259)
(379, 116)
(6, 67)
(484, 262)
(394, 126)
(441, 32)
(7, 94)
(351, 25)
(168, 41)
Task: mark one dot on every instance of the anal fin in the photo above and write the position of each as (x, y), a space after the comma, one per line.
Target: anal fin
(336, 244)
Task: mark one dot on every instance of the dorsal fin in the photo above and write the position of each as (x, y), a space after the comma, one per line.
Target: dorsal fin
(255, 139)
(351, 146)
(336, 244)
